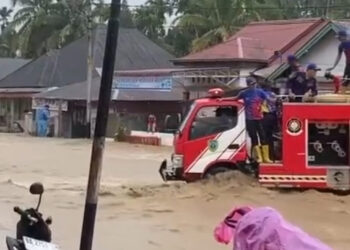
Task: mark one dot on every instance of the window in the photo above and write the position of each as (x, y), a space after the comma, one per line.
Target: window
(213, 120)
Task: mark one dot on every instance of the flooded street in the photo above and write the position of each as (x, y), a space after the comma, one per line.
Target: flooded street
(136, 209)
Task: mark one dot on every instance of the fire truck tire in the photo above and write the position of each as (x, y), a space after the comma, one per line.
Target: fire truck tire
(216, 170)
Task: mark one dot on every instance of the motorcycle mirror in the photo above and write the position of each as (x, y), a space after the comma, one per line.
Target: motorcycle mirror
(36, 188)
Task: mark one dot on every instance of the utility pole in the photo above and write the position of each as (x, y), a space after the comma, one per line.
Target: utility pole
(100, 128)
(327, 9)
(90, 67)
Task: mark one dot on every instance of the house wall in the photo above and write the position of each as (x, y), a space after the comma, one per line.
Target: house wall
(324, 53)
(134, 114)
(13, 110)
(199, 87)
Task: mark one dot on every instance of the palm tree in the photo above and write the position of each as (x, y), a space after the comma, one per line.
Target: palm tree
(75, 25)
(214, 21)
(8, 43)
(150, 18)
(49, 24)
(126, 20)
(5, 14)
(35, 23)
(79, 15)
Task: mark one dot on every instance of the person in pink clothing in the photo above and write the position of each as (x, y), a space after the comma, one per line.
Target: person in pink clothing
(263, 229)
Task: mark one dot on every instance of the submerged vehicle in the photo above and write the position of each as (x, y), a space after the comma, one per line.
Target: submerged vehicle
(314, 144)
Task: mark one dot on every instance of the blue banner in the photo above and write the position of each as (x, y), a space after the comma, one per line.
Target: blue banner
(147, 82)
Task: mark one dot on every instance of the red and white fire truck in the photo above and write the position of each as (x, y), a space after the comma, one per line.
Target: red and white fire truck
(314, 144)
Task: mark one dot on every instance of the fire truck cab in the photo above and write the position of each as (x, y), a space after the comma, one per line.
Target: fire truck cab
(314, 145)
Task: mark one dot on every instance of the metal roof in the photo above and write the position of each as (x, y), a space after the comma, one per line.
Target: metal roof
(69, 64)
(258, 41)
(9, 65)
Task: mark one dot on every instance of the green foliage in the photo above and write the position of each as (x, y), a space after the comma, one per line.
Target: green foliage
(41, 25)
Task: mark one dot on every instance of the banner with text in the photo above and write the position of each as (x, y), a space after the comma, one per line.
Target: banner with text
(147, 82)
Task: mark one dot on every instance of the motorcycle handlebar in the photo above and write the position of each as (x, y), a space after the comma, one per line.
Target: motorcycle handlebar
(23, 213)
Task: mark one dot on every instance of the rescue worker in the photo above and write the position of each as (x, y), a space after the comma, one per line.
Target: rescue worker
(253, 99)
(294, 65)
(43, 116)
(336, 81)
(303, 84)
(270, 116)
(344, 47)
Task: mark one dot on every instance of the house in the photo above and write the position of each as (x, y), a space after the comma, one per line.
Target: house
(129, 105)
(262, 48)
(68, 65)
(8, 66)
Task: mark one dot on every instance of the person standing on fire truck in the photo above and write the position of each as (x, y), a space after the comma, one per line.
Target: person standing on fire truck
(344, 46)
(294, 65)
(303, 84)
(253, 100)
(269, 110)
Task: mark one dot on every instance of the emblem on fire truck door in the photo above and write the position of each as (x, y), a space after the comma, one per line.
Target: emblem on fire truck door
(294, 126)
(213, 145)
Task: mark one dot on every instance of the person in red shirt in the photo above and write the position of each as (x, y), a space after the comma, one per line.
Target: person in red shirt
(336, 81)
(152, 122)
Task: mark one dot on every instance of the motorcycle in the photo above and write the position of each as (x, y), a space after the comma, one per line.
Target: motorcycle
(33, 232)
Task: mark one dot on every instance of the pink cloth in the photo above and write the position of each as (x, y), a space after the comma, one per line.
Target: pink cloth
(265, 229)
(225, 231)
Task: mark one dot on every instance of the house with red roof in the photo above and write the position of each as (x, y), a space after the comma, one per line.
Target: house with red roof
(262, 48)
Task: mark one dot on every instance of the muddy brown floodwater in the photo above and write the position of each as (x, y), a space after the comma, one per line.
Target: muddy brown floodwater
(138, 211)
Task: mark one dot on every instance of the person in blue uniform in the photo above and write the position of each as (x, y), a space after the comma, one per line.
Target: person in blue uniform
(294, 65)
(303, 84)
(43, 116)
(253, 98)
(344, 47)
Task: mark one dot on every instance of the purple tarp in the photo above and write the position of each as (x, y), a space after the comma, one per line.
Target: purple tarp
(264, 229)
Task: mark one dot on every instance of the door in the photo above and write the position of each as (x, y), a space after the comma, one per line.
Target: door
(79, 126)
(212, 131)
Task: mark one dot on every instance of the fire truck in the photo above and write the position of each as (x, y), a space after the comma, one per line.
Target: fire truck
(314, 144)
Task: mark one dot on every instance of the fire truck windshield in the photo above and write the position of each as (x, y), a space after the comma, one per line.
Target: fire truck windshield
(211, 120)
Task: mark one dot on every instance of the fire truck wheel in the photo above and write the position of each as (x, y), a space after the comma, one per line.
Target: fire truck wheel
(216, 170)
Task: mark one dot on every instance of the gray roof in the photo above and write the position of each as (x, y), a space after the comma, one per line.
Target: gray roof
(78, 91)
(68, 65)
(9, 65)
